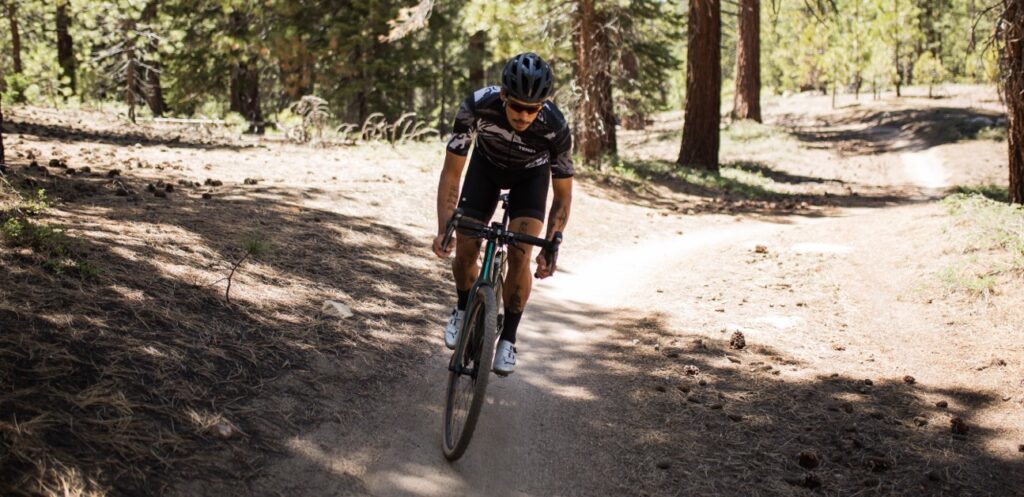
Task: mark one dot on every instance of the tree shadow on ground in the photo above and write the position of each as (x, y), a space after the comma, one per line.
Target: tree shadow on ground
(741, 187)
(130, 379)
(904, 130)
(883, 436)
(182, 138)
(657, 411)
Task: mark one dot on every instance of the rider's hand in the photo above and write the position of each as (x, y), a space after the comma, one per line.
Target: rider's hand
(437, 246)
(543, 271)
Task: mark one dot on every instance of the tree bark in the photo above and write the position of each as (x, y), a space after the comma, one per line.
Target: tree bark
(245, 94)
(747, 100)
(703, 86)
(12, 16)
(634, 118)
(477, 54)
(1012, 38)
(65, 46)
(155, 93)
(445, 86)
(896, 49)
(130, 71)
(245, 79)
(3, 160)
(595, 118)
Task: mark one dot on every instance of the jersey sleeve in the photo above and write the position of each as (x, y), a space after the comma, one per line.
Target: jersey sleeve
(463, 129)
(561, 153)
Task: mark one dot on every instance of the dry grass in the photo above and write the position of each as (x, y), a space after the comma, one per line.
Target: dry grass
(989, 237)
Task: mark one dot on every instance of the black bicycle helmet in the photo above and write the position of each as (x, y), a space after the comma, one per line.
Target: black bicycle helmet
(527, 77)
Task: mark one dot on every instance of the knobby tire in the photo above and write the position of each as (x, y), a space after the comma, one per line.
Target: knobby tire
(475, 346)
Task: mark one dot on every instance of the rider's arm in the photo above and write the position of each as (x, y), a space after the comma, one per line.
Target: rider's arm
(463, 130)
(561, 181)
(560, 205)
(448, 188)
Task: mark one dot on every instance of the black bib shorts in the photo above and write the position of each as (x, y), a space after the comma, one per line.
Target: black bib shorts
(528, 190)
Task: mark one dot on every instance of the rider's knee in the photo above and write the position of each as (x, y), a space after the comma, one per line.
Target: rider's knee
(467, 253)
(518, 261)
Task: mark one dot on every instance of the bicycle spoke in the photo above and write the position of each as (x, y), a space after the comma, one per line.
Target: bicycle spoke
(466, 386)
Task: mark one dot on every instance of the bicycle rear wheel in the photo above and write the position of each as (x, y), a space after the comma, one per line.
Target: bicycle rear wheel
(468, 371)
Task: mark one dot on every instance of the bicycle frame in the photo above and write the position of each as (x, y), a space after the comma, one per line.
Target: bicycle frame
(481, 324)
(489, 275)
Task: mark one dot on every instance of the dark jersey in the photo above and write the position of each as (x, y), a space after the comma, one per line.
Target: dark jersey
(547, 140)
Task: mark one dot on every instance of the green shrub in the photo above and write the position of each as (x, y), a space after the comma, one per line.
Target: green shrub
(61, 252)
(990, 234)
(993, 192)
(992, 133)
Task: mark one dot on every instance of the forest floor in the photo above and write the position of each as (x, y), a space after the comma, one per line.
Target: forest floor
(883, 340)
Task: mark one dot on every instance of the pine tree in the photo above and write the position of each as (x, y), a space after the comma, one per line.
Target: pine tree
(595, 120)
(245, 75)
(1011, 38)
(703, 86)
(155, 93)
(65, 45)
(3, 160)
(12, 18)
(747, 99)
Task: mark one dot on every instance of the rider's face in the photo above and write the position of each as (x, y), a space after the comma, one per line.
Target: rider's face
(520, 114)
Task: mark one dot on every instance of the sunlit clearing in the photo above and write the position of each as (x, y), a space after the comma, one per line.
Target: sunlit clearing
(821, 248)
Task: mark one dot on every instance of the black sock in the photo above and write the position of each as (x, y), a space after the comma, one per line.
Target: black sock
(463, 298)
(510, 325)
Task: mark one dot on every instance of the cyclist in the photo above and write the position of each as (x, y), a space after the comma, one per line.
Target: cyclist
(522, 140)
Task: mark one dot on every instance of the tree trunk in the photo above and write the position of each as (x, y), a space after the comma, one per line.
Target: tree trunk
(65, 46)
(245, 78)
(155, 97)
(1012, 38)
(747, 100)
(12, 16)
(3, 160)
(130, 87)
(595, 119)
(477, 54)
(703, 86)
(609, 143)
(634, 118)
(128, 32)
(155, 93)
(896, 48)
(445, 85)
(245, 94)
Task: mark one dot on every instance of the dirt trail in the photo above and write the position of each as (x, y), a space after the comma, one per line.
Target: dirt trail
(627, 382)
(925, 170)
(564, 423)
(535, 437)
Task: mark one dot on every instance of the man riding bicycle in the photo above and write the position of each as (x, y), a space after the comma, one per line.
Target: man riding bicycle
(522, 140)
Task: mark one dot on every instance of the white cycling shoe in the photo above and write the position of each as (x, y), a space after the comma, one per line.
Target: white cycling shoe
(451, 330)
(505, 358)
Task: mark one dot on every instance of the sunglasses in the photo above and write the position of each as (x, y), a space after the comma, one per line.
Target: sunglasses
(529, 109)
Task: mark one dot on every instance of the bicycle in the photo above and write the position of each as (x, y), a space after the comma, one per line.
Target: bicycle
(474, 349)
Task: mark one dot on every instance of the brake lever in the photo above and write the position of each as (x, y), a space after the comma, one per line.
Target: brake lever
(449, 229)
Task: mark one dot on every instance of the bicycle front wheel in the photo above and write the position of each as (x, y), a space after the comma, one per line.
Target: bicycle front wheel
(468, 372)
